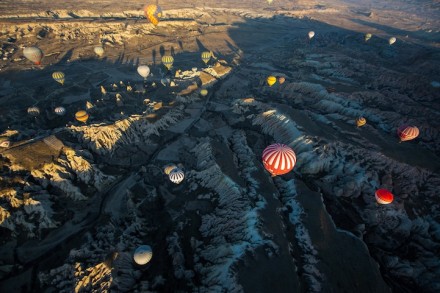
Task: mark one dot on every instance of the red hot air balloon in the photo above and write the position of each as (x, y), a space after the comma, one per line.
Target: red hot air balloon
(406, 132)
(278, 159)
(384, 196)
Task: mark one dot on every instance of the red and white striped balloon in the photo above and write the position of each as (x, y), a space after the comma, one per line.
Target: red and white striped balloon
(384, 196)
(278, 159)
(406, 132)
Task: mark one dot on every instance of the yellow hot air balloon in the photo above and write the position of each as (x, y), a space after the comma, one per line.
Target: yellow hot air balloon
(206, 56)
(169, 168)
(99, 50)
(271, 80)
(153, 13)
(167, 61)
(82, 116)
(58, 76)
(204, 92)
(368, 36)
(392, 40)
(361, 121)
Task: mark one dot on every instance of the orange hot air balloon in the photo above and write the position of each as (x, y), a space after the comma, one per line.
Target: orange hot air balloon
(383, 196)
(281, 79)
(279, 159)
(82, 116)
(361, 121)
(406, 132)
(153, 13)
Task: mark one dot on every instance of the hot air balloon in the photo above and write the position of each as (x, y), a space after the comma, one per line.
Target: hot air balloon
(311, 34)
(33, 111)
(167, 61)
(142, 255)
(99, 51)
(206, 56)
(153, 13)
(33, 54)
(271, 80)
(143, 71)
(367, 37)
(169, 168)
(269, 1)
(89, 105)
(176, 175)
(58, 76)
(392, 40)
(204, 92)
(60, 111)
(281, 79)
(82, 116)
(383, 196)
(278, 159)
(361, 121)
(406, 132)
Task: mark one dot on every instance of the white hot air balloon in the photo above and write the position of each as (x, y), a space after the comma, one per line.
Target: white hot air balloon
(60, 111)
(143, 71)
(176, 176)
(143, 254)
(392, 40)
(99, 51)
(33, 54)
(311, 34)
(33, 111)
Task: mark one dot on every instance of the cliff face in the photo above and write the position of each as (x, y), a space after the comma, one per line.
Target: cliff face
(28, 205)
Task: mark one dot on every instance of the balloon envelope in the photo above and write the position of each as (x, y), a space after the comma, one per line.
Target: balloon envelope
(99, 51)
(177, 175)
(168, 61)
(281, 79)
(392, 40)
(311, 34)
(58, 76)
(206, 56)
(33, 54)
(153, 13)
(271, 80)
(368, 36)
(60, 111)
(169, 168)
(33, 111)
(143, 254)
(204, 92)
(279, 159)
(406, 132)
(82, 116)
(384, 196)
(143, 71)
(361, 121)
